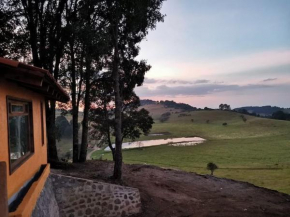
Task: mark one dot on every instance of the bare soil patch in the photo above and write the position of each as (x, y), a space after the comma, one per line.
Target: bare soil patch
(173, 193)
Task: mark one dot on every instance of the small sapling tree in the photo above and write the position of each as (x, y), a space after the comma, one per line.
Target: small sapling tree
(212, 167)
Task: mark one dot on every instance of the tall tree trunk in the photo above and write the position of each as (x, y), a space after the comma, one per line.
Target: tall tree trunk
(110, 145)
(50, 124)
(75, 117)
(85, 126)
(75, 109)
(118, 110)
(108, 132)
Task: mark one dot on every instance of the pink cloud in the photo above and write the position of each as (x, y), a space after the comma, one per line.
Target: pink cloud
(215, 67)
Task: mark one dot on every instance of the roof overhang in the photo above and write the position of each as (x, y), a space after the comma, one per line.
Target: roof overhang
(33, 78)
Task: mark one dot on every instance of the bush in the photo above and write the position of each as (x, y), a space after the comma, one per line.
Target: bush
(184, 115)
(243, 118)
(164, 117)
(63, 127)
(225, 124)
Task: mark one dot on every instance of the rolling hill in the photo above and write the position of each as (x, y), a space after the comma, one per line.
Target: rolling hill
(264, 110)
(168, 104)
(256, 150)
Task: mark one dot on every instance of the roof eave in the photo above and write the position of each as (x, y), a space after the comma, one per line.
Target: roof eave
(33, 78)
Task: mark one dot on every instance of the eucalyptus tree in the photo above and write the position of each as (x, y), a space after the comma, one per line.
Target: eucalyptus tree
(129, 23)
(85, 53)
(102, 113)
(72, 68)
(95, 39)
(42, 22)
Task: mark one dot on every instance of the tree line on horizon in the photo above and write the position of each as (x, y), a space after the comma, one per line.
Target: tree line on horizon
(90, 48)
(169, 104)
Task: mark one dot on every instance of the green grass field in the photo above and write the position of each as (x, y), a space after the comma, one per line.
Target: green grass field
(255, 151)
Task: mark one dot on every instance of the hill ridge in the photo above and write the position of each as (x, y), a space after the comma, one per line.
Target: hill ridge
(168, 104)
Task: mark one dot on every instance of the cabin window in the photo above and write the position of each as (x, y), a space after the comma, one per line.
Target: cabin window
(20, 131)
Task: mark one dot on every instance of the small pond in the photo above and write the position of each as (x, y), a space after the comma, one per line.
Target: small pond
(182, 141)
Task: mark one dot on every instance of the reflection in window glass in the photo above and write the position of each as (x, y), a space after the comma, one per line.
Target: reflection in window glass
(20, 131)
(17, 108)
(18, 136)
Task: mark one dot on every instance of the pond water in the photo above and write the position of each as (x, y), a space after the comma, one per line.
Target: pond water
(156, 134)
(182, 141)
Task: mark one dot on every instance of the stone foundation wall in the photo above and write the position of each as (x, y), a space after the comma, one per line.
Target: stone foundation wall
(84, 198)
(46, 205)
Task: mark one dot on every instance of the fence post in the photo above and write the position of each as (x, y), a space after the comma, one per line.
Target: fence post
(3, 190)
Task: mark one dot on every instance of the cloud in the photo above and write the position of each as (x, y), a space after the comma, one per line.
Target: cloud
(196, 90)
(150, 80)
(269, 79)
(170, 81)
(174, 81)
(220, 66)
(202, 81)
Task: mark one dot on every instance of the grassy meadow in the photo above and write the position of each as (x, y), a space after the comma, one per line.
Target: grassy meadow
(255, 151)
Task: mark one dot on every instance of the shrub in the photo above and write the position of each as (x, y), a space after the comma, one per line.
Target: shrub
(184, 115)
(164, 117)
(68, 155)
(243, 118)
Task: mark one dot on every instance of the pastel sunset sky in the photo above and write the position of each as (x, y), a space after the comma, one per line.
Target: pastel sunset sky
(209, 52)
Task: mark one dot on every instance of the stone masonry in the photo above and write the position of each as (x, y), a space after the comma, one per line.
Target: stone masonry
(46, 205)
(84, 198)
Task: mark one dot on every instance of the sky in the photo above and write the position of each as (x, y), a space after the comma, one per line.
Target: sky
(208, 52)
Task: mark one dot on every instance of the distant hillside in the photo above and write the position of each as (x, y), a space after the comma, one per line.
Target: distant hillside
(148, 102)
(263, 110)
(168, 104)
(156, 110)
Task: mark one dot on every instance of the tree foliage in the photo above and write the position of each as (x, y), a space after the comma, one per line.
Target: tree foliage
(135, 122)
(169, 104)
(225, 107)
(172, 104)
(280, 115)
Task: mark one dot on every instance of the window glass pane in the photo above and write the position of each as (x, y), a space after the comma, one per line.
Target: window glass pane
(17, 108)
(18, 136)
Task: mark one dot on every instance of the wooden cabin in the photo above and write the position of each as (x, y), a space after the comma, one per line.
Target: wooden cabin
(24, 90)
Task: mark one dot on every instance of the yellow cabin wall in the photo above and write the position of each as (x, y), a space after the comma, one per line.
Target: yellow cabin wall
(27, 170)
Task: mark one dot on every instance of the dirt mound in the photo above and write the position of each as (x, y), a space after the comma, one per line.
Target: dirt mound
(173, 193)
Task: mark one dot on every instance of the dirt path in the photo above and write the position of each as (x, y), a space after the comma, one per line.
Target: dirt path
(89, 155)
(171, 193)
